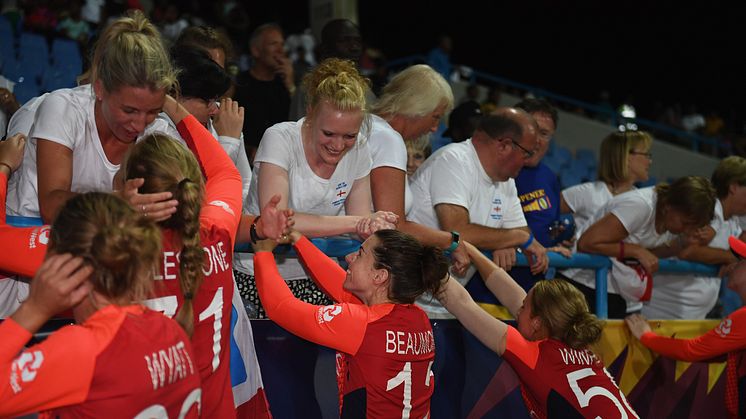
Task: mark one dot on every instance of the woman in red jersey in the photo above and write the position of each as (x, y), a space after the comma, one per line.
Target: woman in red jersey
(194, 282)
(385, 341)
(560, 376)
(728, 339)
(121, 357)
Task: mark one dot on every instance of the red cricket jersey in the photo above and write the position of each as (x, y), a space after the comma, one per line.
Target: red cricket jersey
(219, 219)
(122, 361)
(563, 381)
(387, 349)
(728, 339)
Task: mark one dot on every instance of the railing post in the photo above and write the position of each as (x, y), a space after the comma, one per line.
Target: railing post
(602, 303)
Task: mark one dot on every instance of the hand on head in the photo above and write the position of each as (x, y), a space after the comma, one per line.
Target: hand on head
(11, 151)
(60, 284)
(379, 220)
(229, 120)
(156, 206)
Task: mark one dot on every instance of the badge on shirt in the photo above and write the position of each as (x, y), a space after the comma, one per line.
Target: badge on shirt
(496, 211)
(340, 194)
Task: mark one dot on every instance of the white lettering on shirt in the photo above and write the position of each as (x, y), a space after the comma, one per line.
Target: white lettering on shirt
(409, 343)
(168, 365)
(577, 357)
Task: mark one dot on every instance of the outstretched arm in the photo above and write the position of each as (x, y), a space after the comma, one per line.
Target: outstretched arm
(729, 336)
(314, 323)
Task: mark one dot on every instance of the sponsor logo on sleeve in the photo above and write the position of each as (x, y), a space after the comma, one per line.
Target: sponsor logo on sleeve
(724, 328)
(328, 313)
(24, 368)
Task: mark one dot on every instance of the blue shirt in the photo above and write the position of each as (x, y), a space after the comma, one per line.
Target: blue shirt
(539, 192)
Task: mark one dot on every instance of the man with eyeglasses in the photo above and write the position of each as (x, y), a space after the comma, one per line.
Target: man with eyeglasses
(467, 188)
(539, 188)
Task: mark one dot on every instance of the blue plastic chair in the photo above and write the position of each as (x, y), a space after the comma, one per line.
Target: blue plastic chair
(26, 90)
(563, 155)
(569, 178)
(66, 55)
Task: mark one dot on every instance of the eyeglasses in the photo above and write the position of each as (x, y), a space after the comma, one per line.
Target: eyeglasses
(640, 153)
(527, 153)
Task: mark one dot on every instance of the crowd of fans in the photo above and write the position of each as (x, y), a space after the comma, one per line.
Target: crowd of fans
(170, 152)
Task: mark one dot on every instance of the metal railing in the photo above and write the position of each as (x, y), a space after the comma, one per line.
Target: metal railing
(340, 247)
(614, 118)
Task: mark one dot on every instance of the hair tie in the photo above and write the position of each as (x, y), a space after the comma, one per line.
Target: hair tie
(183, 182)
(188, 296)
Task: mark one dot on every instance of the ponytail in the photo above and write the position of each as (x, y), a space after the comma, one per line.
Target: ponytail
(191, 258)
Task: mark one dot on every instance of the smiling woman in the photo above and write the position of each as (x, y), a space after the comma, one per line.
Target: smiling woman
(80, 135)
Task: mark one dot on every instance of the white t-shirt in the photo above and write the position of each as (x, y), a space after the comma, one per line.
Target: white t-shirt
(588, 203)
(636, 211)
(387, 149)
(234, 147)
(454, 175)
(308, 193)
(65, 117)
(688, 296)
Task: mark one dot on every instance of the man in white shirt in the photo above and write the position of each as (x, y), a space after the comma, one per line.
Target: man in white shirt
(468, 188)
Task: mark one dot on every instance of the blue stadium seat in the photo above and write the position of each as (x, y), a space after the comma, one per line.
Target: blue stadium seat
(66, 56)
(26, 90)
(553, 163)
(563, 155)
(55, 78)
(569, 178)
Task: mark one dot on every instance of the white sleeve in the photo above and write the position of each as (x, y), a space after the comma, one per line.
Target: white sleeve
(576, 196)
(59, 121)
(363, 161)
(449, 181)
(244, 168)
(513, 215)
(276, 148)
(387, 149)
(230, 145)
(631, 210)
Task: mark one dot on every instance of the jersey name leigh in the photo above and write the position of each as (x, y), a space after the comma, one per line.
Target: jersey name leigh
(409, 343)
(168, 365)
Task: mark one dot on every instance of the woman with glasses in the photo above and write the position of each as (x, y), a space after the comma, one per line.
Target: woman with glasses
(624, 159)
(641, 226)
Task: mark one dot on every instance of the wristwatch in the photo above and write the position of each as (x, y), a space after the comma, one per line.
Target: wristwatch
(455, 240)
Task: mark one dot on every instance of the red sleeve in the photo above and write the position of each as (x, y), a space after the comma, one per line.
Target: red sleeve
(3, 195)
(327, 273)
(524, 350)
(23, 248)
(222, 206)
(340, 326)
(729, 336)
(52, 374)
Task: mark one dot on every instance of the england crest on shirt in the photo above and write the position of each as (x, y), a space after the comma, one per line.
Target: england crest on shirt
(496, 212)
(340, 194)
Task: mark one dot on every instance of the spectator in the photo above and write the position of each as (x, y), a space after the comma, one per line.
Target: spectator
(467, 188)
(439, 58)
(266, 88)
(320, 168)
(173, 23)
(492, 102)
(538, 187)
(640, 226)
(417, 152)
(462, 122)
(82, 150)
(690, 296)
(693, 121)
(340, 38)
(625, 159)
(73, 26)
(214, 42)
(412, 104)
